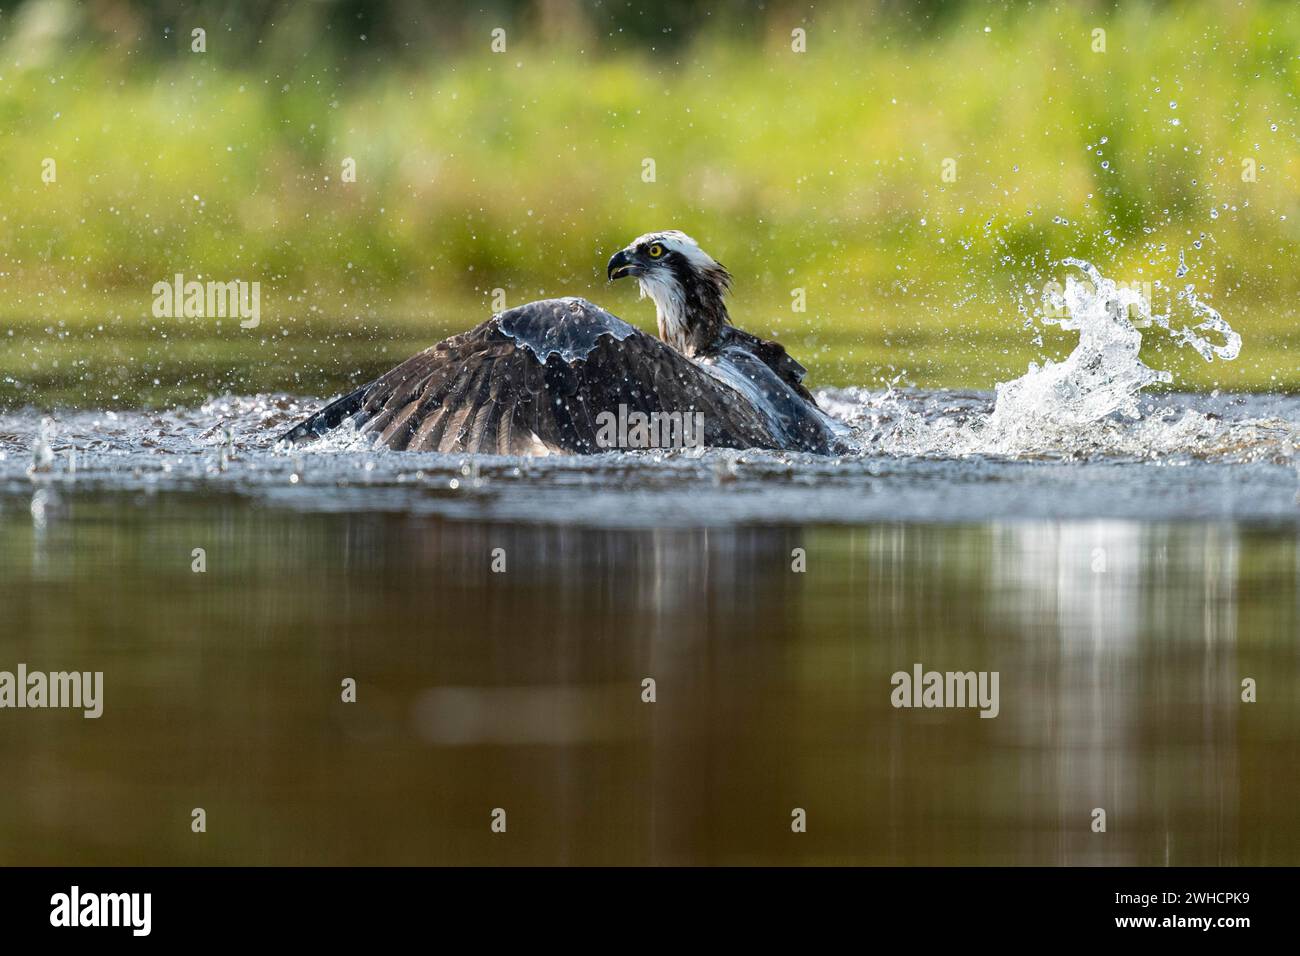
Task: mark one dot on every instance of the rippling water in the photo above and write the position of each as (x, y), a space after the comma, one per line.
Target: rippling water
(1121, 576)
(921, 456)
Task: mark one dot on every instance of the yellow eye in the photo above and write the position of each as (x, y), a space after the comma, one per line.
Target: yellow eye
(655, 251)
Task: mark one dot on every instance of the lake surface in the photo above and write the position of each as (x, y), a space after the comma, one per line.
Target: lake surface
(1122, 580)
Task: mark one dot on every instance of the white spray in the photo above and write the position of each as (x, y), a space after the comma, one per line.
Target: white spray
(1104, 373)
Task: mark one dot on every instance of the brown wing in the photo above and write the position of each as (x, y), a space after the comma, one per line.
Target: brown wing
(536, 380)
(776, 358)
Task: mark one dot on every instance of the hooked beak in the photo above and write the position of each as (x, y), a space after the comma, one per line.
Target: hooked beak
(621, 264)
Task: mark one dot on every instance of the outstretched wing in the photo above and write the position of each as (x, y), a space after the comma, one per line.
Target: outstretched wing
(535, 380)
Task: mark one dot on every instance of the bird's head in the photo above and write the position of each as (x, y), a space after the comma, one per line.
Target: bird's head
(686, 284)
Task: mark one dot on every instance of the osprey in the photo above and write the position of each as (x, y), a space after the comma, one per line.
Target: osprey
(545, 377)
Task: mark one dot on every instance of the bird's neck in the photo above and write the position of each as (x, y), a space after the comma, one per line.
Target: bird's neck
(691, 316)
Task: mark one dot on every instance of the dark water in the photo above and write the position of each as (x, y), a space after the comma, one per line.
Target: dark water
(1120, 647)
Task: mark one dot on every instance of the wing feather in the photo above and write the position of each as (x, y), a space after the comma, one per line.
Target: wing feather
(537, 378)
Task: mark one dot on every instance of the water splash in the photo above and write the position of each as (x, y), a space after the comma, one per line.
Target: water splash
(1104, 374)
(922, 455)
(1211, 321)
(43, 447)
(1101, 376)
(1089, 406)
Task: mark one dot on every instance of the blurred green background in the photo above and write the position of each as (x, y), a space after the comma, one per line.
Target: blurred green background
(522, 170)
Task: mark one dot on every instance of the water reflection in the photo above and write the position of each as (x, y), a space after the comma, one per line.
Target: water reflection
(1120, 645)
(1109, 637)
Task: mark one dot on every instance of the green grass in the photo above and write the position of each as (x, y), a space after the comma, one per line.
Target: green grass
(523, 172)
